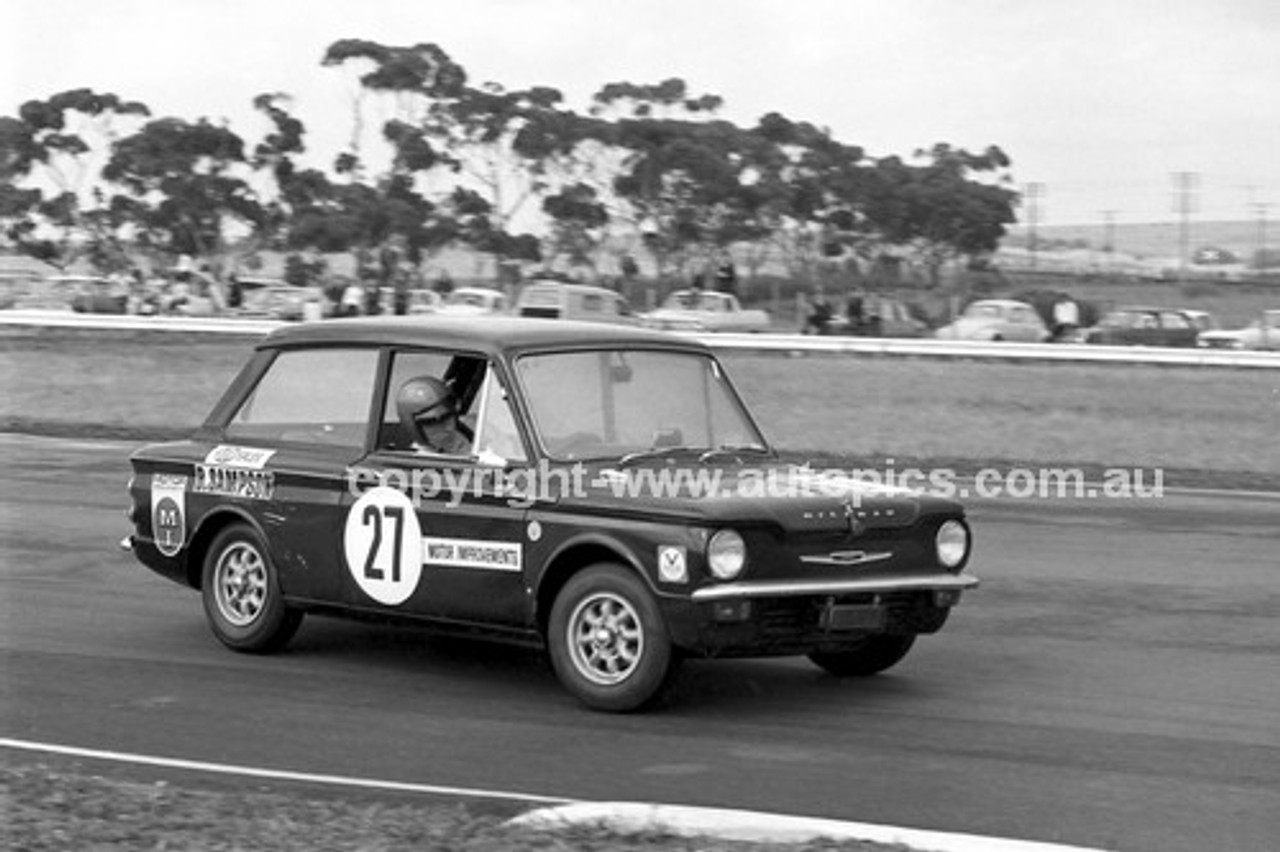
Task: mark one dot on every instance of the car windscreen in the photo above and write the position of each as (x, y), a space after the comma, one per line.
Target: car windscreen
(610, 402)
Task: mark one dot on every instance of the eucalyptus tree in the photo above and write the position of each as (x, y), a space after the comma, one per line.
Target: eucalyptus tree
(184, 185)
(52, 153)
(955, 204)
(480, 154)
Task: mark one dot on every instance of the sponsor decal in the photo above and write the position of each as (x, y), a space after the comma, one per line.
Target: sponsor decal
(169, 512)
(471, 553)
(382, 543)
(234, 482)
(230, 455)
(672, 565)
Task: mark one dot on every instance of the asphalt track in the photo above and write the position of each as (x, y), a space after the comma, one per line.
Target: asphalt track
(1114, 683)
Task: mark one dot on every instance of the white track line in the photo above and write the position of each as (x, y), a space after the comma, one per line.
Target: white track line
(276, 774)
(622, 817)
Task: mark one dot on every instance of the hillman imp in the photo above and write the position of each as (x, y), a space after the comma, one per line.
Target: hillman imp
(599, 491)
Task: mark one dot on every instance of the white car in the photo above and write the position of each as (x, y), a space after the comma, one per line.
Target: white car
(562, 300)
(474, 301)
(1262, 333)
(996, 320)
(703, 310)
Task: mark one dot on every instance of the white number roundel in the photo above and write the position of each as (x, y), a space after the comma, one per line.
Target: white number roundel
(382, 543)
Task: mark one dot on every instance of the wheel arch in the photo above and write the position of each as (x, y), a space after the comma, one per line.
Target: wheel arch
(570, 558)
(210, 525)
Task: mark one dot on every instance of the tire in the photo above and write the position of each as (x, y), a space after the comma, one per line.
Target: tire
(607, 640)
(241, 593)
(866, 657)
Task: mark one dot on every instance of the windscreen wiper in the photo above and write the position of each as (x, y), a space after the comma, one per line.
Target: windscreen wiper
(734, 451)
(653, 453)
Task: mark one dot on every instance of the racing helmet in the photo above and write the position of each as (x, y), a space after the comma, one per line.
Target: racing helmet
(424, 398)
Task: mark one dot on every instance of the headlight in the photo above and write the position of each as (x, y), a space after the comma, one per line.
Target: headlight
(952, 543)
(726, 554)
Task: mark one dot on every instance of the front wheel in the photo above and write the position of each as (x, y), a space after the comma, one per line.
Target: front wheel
(866, 657)
(607, 640)
(241, 593)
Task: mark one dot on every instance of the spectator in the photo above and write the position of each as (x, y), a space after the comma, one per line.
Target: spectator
(819, 315)
(352, 299)
(727, 278)
(1066, 318)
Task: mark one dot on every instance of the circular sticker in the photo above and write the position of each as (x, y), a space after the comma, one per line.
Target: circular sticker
(382, 543)
(168, 526)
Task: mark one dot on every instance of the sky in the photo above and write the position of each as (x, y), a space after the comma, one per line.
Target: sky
(1098, 102)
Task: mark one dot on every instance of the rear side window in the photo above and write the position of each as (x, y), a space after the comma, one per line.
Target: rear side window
(320, 396)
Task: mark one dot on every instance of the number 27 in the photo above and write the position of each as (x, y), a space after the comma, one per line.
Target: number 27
(374, 516)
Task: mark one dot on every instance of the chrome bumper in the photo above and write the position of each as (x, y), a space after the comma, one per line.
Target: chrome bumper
(796, 588)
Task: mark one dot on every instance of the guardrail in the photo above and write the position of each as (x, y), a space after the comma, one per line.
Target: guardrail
(136, 322)
(779, 343)
(1004, 350)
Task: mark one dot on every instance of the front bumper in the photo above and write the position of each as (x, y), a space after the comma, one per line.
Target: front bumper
(777, 618)
(795, 588)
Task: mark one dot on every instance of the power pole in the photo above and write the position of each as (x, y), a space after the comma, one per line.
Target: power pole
(1034, 192)
(1260, 254)
(1108, 236)
(1185, 200)
(1258, 209)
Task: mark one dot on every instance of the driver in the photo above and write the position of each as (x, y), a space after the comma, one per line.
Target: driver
(429, 413)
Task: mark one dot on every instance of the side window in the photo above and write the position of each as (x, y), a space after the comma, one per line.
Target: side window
(461, 376)
(317, 396)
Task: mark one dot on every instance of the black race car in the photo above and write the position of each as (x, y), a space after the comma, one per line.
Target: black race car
(600, 491)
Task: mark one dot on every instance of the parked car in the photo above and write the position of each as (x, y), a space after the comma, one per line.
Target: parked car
(474, 301)
(278, 299)
(880, 317)
(308, 489)
(705, 310)
(1143, 326)
(996, 320)
(424, 301)
(1262, 333)
(94, 295)
(561, 300)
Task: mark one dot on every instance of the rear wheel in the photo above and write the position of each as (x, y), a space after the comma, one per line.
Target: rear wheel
(607, 640)
(241, 593)
(866, 657)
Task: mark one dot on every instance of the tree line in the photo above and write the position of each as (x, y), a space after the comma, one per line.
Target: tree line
(515, 174)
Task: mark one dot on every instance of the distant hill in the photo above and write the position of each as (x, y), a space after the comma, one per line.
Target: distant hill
(1152, 239)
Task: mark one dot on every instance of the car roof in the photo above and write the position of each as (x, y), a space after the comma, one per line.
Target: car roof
(488, 291)
(490, 335)
(573, 286)
(1005, 303)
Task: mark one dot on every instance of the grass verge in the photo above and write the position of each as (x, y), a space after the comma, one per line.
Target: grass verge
(50, 809)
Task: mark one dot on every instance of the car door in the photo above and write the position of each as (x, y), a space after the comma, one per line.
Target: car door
(283, 455)
(435, 534)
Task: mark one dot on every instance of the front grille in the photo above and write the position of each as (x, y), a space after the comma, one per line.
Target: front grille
(797, 623)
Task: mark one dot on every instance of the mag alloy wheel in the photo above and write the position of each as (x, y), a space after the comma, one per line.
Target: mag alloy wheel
(241, 593)
(607, 640)
(240, 584)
